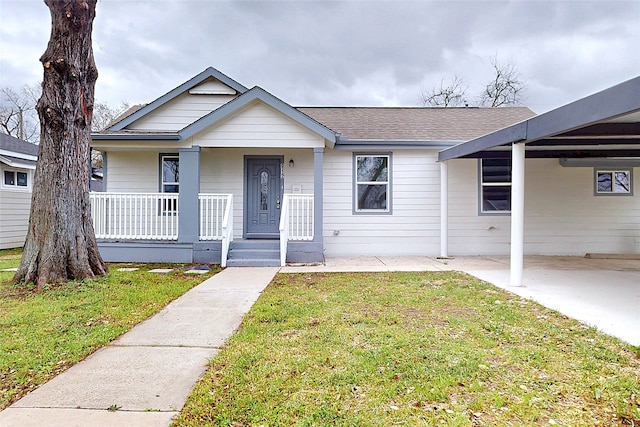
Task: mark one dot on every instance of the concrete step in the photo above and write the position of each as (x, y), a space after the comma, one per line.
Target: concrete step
(254, 253)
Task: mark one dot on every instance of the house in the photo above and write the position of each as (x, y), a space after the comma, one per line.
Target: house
(17, 164)
(213, 171)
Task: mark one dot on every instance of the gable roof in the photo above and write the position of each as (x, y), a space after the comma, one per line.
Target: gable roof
(17, 146)
(17, 153)
(257, 93)
(189, 84)
(418, 124)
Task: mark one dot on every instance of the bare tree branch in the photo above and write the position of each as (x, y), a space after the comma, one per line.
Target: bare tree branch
(506, 88)
(18, 116)
(449, 94)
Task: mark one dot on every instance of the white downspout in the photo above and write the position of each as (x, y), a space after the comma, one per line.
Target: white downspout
(444, 210)
(517, 213)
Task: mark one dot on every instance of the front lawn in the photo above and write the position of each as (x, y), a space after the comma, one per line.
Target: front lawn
(43, 333)
(427, 349)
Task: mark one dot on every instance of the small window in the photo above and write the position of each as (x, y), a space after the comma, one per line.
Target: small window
(495, 186)
(170, 181)
(15, 179)
(613, 182)
(372, 183)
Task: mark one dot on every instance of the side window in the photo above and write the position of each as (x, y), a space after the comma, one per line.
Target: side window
(170, 181)
(613, 182)
(15, 180)
(372, 183)
(495, 186)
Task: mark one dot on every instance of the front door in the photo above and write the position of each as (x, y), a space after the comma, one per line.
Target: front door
(263, 190)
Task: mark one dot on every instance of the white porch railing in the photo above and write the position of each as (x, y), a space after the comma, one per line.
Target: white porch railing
(216, 220)
(135, 216)
(213, 208)
(296, 221)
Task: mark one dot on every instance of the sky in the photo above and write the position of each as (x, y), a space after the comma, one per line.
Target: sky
(341, 53)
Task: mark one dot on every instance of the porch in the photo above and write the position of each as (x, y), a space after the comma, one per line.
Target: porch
(149, 227)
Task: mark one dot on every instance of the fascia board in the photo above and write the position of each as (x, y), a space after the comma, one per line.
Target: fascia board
(17, 163)
(184, 87)
(17, 155)
(610, 103)
(361, 144)
(134, 137)
(508, 135)
(257, 93)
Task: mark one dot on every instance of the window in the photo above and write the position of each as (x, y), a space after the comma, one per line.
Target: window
(15, 179)
(170, 181)
(495, 186)
(613, 182)
(372, 190)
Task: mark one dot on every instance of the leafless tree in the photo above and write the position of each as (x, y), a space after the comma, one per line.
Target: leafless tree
(449, 94)
(61, 243)
(104, 114)
(18, 116)
(506, 88)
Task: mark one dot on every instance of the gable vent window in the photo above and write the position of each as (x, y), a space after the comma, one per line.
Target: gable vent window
(495, 186)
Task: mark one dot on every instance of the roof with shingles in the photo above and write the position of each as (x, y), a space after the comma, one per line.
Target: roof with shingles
(9, 143)
(416, 123)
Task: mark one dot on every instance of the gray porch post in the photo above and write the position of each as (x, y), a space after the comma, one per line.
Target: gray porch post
(189, 176)
(318, 189)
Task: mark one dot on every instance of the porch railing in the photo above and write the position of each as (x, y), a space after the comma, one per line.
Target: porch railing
(213, 208)
(296, 221)
(135, 216)
(216, 221)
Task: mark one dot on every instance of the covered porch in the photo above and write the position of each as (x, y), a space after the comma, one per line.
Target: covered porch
(202, 225)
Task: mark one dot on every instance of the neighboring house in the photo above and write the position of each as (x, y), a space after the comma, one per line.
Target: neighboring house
(17, 164)
(214, 170)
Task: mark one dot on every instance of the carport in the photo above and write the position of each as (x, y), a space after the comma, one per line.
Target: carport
(601, 129)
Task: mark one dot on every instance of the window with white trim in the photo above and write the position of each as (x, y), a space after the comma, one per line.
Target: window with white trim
(170, 180)
(613, 182)
(15, 179)
(372, 188)
(495, 186)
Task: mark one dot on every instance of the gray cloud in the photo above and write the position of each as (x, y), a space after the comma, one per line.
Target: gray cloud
(341, 52)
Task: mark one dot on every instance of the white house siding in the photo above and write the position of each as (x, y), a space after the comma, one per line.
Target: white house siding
(413, 226)
(258, 125)
(222, 171)
(134, 171)
(180, 112)
(14, 218)
(562, 214)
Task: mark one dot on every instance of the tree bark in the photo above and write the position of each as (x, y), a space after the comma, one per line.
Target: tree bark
(61, 243)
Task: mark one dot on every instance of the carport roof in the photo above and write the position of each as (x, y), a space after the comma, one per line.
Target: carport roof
(603, 125)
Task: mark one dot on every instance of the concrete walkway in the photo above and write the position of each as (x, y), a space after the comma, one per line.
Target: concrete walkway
(147, 373)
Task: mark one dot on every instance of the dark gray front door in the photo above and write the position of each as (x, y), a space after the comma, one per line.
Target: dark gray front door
(263, 182)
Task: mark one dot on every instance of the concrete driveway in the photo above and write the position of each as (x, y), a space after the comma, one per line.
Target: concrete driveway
(604, 293)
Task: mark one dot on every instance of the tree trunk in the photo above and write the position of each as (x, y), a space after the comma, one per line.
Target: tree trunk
(61, 243)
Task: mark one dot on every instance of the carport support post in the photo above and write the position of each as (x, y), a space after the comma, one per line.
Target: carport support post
(444, 210)
(517, 213)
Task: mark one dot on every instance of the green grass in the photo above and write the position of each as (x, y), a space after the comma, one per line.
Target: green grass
(427, 349)
(43, 333)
